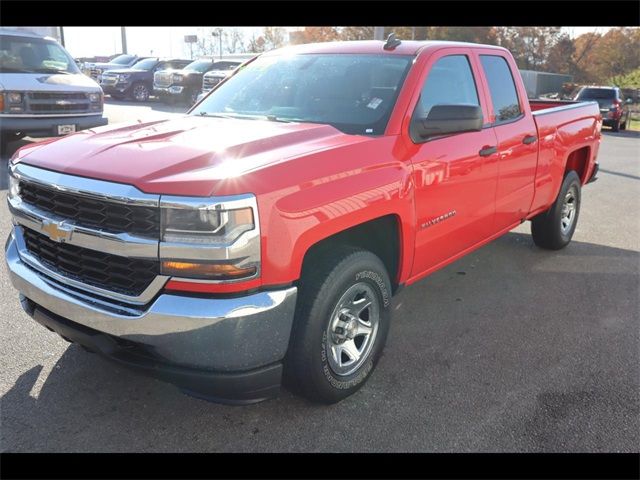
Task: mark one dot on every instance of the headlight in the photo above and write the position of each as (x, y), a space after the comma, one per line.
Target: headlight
(14, 97)
(95, 97)
(14, 186)
(177, 78)
(215, 239)
(123, 77)
(205, 226)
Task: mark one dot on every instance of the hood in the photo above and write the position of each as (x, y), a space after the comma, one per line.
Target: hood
(125, 70)
(187, 155)
(104, 65)
(48, 82)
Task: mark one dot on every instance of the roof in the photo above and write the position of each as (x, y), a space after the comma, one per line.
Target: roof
(407, 47)
(22, 33)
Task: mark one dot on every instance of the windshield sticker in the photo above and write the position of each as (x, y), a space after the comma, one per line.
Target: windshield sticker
(374, 103)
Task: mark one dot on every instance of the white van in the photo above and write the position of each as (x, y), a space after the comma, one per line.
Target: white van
(42, 91)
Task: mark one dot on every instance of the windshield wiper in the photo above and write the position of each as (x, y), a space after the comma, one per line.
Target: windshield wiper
(50, 70)
(244, 116)
(14, 70)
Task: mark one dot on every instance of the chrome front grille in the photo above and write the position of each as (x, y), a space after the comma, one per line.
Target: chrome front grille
(111, 217)
(123, 275)
(162, 79)
(210, 81)
(59, 102)
(97, 236)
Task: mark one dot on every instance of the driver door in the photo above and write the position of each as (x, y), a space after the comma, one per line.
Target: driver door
(455, 175)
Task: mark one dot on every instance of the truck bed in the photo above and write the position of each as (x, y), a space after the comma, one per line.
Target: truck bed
(563, 127)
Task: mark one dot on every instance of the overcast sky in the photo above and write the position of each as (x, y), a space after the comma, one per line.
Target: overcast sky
(165, 41)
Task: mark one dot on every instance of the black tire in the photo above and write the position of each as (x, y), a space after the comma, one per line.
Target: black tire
(551, 229)
(623, 125)
(616, 126)
(308, 367)
(192, 98)
(139, 92)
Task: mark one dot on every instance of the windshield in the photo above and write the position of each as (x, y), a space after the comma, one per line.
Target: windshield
(596, 93)
(34, 55)
(199, 66)
(123, 59)
(225, 65)
(146, 64)
(355, 93)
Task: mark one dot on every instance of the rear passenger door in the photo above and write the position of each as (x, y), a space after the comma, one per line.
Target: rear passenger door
(516, 133)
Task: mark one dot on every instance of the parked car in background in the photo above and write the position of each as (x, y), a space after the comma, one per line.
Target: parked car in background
(186, 85)
(95, 69)
(260, 237)
(42, 91)
(137, 82)
(222, 70)
(613, 105)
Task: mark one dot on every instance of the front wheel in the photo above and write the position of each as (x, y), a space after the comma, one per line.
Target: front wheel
(616, 126)
(554, 228)
(341, 325)
(140, 92)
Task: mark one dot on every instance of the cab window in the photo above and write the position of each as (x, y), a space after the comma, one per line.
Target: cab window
(450, 82)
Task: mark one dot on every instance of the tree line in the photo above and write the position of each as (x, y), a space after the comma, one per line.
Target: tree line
(592, 58)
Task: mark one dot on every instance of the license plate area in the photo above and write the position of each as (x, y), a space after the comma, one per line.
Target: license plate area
(66, 129)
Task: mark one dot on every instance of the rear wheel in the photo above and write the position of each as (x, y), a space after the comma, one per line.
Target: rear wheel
(341, 325)
(623, 125)
(554, 228)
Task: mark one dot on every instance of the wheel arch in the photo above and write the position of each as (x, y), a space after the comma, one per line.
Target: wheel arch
(382, 236)
(578, 161)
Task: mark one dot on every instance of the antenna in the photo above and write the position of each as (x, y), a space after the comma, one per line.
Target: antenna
(392, 42)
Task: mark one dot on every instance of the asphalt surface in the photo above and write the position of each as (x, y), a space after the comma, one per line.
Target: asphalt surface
(510, 349)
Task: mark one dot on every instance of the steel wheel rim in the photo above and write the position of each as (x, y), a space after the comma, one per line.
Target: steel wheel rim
(352, 329)
(140, 92)
(569, 209)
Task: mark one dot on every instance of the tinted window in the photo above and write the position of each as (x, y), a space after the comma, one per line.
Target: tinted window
(353, 93)
(502, 87)
(146, 64)
(123, 59)
(199, 66)
(450, 82)
(596, 94)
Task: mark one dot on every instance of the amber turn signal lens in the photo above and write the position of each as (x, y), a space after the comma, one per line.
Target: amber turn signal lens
(213, 271)
(1, 102)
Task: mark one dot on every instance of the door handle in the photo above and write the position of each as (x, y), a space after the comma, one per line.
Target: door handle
(529, 139)
(486, 151)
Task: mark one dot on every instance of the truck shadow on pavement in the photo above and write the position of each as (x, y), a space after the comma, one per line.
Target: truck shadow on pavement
(509, 348)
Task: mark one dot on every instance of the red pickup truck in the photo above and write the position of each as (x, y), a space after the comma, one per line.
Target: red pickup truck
(259, 239)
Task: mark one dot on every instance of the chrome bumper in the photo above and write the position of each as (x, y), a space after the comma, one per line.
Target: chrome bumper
(223, 334)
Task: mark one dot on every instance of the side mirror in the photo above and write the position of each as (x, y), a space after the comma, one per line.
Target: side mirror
(446, 119)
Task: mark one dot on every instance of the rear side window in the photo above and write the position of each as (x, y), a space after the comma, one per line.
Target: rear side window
(502, 87)
(450, 82)
(597, 94)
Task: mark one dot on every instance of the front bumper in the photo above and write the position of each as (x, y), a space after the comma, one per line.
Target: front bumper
(224, 349)
(48, 126)
(118, 88)
(174, 90)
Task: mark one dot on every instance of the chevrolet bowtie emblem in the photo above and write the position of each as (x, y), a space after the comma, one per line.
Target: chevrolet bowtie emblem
(58, 232)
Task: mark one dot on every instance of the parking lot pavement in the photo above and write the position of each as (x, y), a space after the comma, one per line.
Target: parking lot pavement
(512, 348)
